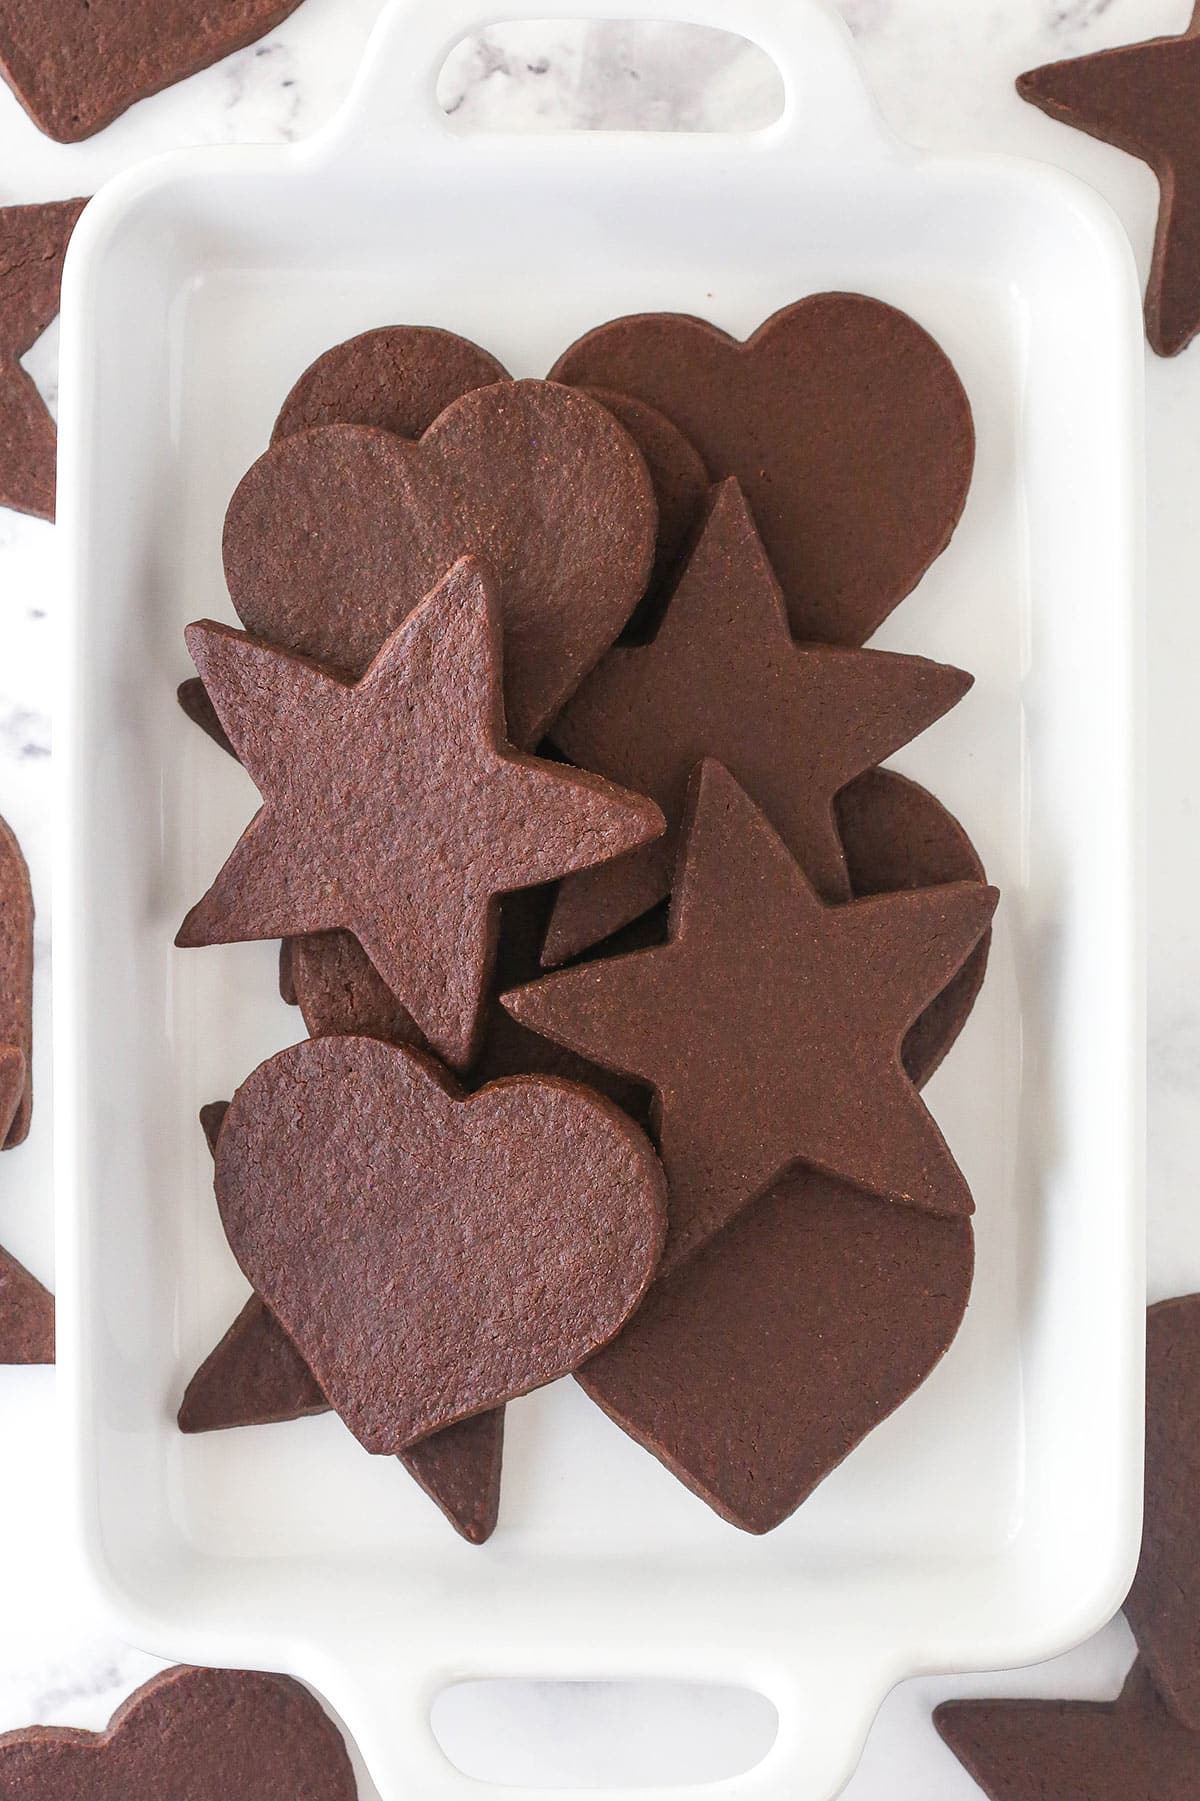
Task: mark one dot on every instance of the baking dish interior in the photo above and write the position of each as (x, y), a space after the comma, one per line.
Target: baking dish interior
(994, 1517)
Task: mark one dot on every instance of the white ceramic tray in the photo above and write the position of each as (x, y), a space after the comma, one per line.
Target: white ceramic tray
(994, 1518)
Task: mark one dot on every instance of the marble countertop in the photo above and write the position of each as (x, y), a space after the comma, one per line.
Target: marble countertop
(943, 73)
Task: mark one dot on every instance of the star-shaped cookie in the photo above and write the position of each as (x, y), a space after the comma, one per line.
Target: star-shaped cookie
(394, 806)
(770, 1024)
(33, 243)
(723, 678)
(1124, 1750)
(1145, 98)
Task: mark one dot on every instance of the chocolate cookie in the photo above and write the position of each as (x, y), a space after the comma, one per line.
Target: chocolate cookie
(189, 1735)
(33, 244)
(723, 678)
(1163, 1606)
(193, 700)
(338, 991)
(897, 835)
(1144, 99)
(398, 377)
(334, 535)
(845, 424)
(76, 68)
(753, 1371)
(1123, 1750)
(16, 990)
(770, 1024)
(680, 483)
(26, 1317)
(497, 1240)
(255, 1376)
(395, 809)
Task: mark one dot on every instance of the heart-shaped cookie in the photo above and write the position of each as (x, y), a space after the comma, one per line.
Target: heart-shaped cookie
(434, 1255)
(398, 377)
(897, 835)
(845, 423)
(756, 1368)
(334, 535)
(189, 1735)
(75, 68)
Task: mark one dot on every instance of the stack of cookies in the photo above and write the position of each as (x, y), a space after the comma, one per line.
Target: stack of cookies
(623, 961)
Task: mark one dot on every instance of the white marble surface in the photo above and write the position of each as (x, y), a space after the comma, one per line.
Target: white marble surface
(942, 70)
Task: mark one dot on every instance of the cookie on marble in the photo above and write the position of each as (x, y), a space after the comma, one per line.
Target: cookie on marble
(347, 838)
(203, 1735)
(1143, 99)
(333, 535)
(499, 1238)
(76, 68)
(16, 991)
(1125, 1750)
(1163, 1606)
(33, 244)
(844, 422)
(26, 1316)
(770, 1025)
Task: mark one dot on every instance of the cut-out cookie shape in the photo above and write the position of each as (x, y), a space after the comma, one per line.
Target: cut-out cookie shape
(1145, 98)
(471, 1248)
(753, 1371)
(334, 535)
(76, 68)
(1163, 1606)
(723, 678)
(26, 1315)
(189, 1735)
(896, 836)
(1124, 1750)
(770, 1025)
(397, 377)
(255, 1376)
(845, 424)
(16, 992)
(338, 990)
(33, 243)
(395, 809)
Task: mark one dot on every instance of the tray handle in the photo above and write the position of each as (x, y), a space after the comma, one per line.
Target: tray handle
(825, 1702)
(828, 111)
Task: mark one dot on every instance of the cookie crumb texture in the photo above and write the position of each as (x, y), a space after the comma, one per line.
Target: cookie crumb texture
(189, 1735)
(76, 65)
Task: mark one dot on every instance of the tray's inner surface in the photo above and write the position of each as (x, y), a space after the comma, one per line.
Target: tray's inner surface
(253, 277)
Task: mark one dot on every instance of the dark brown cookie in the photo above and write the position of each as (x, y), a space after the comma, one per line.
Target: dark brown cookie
(193, 700)
(1145, 98)
(398, 377)
(189, 1735)
(75, 68)
(255, 1376)
(16, 987)
(897, 835)
(1163, 1606)
(753, 1371)
(287, 979)
(845, 424)
(497, 1239)
(334, 535)
(723, 678)
(395, 809)
(33, 243)
(1124, 1750)
(680, 483)
(338, 991)
(26, 1316)
(770, 1025)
